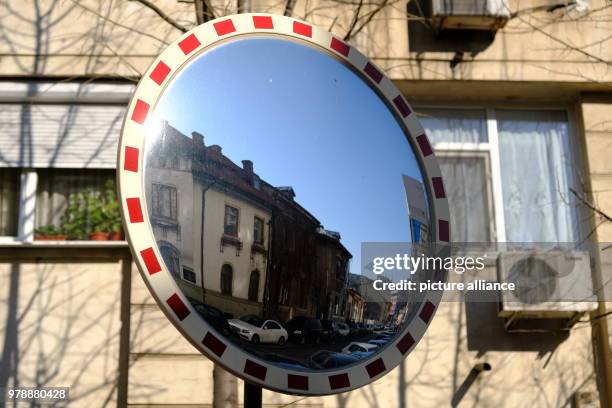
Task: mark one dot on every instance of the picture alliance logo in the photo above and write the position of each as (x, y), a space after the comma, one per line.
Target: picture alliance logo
(414, 264)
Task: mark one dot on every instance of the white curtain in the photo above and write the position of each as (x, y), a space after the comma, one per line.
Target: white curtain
(537, 173)
(454, 125)
(464, 175)
(465, 181)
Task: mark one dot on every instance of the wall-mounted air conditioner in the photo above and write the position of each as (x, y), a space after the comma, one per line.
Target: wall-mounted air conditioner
(469, 14)
(553, 289)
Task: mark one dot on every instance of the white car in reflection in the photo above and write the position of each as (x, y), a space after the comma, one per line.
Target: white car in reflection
(257, 330)
(356, 347)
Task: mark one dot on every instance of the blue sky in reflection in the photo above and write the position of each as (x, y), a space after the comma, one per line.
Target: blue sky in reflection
(306, 121)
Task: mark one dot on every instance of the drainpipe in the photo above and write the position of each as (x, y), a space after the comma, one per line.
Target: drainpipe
(266, 294)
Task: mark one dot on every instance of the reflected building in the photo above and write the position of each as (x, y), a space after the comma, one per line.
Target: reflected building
(354, 305)
(375, 304)
(333, 269)
(233, 241)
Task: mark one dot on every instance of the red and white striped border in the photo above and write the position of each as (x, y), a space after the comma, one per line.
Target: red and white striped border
(147, 256)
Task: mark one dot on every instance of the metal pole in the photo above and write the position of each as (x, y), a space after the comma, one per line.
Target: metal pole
(252, 395)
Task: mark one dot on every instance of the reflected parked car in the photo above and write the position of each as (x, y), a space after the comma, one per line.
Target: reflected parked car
(361, 354)
(328, 332)
(341, 329)
(383, 336)
(284, 362)
(356, 347)
(213, 316)
(257, 330)
(330, 359)
(378, 328)
(378, 343)
(304, 329)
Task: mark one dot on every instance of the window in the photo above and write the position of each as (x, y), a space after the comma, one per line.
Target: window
(231, 221)
(170, 255)
(507, 173)
(56, 185)
(254, 286)
(535, 147)
(227, 276)
(466, 178)
(9, 201)
(258, 231)
(271, 326)
(189, 275)
(164, 201)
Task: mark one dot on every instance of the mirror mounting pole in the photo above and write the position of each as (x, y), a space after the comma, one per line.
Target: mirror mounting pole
(252, 395)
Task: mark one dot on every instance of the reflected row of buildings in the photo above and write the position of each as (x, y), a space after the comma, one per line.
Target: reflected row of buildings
(236, 242)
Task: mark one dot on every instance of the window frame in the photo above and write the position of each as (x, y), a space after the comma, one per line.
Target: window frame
(262, 231)
(155, 206)
(189, 270)
(486, 156)
(54, 93)
(20, 180)
(225, 208)
(491, 148)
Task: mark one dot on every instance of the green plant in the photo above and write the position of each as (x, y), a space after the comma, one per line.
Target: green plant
(75, 218)
(111, 211)
(48, 230)
(89, 211)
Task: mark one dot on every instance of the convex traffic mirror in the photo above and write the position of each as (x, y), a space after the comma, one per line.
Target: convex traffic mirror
(258, 154)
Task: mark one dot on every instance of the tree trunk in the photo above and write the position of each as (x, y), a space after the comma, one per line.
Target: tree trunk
(225, 389)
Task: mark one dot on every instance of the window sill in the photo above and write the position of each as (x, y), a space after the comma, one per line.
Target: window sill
(62, 244)
(231, 240)
(258, 248)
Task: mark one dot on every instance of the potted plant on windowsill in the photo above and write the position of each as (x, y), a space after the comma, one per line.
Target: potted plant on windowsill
(112, 213)
(77, 219)
(49, 233)
(92, 215)
(99, 220)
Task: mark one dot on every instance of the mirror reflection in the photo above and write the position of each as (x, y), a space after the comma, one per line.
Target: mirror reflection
(267, 166)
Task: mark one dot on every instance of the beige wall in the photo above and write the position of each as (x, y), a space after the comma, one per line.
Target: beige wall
(70, 327)
(534, 46)
(61, 323)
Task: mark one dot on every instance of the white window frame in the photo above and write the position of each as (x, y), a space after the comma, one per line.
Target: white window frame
(491, 147)
(52, 92)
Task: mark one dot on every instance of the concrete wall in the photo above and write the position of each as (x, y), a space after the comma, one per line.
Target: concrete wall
(61, 321)
(535, 45)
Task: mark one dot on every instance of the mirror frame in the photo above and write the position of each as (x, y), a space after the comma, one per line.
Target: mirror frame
(161, 284)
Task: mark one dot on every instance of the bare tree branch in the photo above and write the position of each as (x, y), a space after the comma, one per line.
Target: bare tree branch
(590, 205)
(163, 15)
(289, 7)
(349, 32)
(132, 29)
(367, 19)
(565, 43)
(204, 11)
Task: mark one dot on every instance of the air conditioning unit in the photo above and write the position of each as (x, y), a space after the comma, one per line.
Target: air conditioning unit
(553, 289)
(470, 14)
